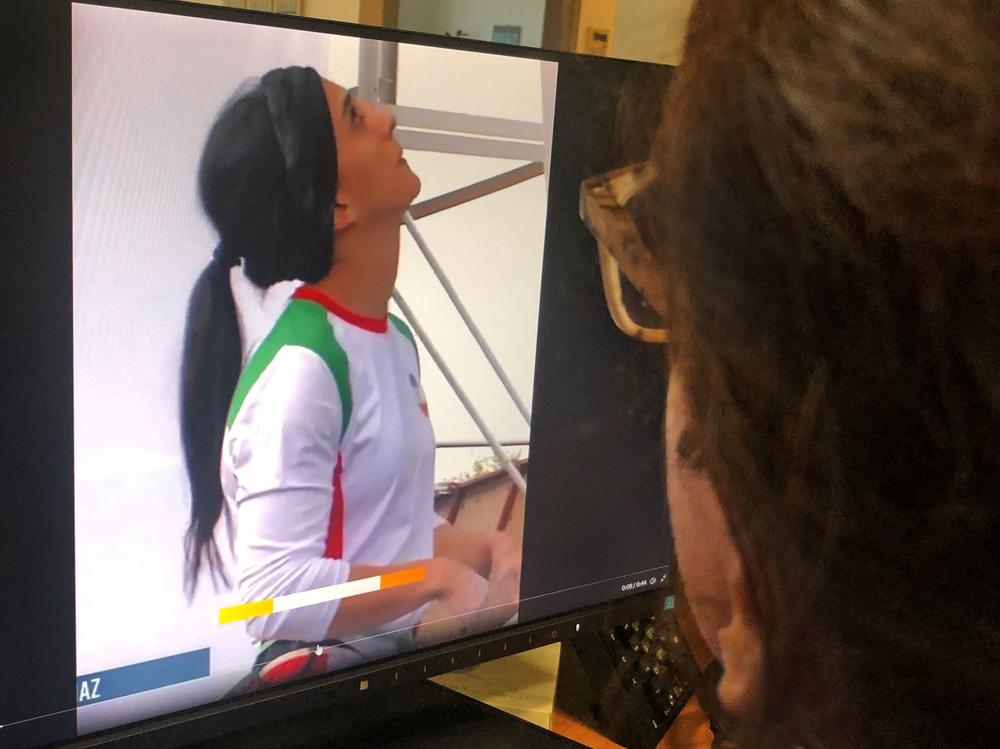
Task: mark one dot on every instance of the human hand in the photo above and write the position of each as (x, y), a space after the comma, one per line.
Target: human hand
(503, 593)
(461, 595)
(460, 589)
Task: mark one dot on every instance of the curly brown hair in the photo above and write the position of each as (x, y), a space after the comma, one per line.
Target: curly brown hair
(828, 221)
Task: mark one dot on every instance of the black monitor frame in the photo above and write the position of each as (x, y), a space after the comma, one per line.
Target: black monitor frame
(36, 402)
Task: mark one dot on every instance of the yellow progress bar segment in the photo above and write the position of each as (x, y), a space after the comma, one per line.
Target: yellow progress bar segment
(246, 611)
(403, 577)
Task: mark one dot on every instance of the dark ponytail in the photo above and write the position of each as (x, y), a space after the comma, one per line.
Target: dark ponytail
(209, 370)
(267, 181)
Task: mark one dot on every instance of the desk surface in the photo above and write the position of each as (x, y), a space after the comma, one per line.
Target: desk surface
(429, 717)
(689, 731)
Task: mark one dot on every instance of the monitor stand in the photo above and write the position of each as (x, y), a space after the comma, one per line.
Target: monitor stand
(421, 716)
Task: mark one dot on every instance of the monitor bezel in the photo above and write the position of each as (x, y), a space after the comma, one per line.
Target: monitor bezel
(236, 713)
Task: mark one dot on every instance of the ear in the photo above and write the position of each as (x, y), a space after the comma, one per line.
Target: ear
(344, 213)
(741, 647)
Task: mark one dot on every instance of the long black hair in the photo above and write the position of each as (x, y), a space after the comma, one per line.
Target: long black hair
(267, 181)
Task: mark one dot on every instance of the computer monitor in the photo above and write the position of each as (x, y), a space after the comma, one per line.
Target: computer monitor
(546, 418)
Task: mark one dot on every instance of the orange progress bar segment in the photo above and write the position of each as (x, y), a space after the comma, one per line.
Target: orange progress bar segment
(403, 577)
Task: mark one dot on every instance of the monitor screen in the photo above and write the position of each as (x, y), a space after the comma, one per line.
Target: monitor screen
(484, 453)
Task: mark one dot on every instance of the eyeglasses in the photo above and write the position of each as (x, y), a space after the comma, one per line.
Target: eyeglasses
(633, 285)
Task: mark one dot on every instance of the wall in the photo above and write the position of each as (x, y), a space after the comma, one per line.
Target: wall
(651, 31)
(601, 15)
(476, 19)
(482, 507)
(421, 15)
(378, 12)
(333, 10)
(640, 29)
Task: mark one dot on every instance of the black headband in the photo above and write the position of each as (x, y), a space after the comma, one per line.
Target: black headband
(269, 178)
(300, 117)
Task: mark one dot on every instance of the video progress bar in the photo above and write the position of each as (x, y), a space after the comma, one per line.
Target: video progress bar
(321, 595)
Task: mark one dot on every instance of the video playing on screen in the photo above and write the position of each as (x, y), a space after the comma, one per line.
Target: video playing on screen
(328, 461)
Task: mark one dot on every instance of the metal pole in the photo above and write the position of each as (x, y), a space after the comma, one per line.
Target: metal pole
(378, 67)
(377, 81)
(388, 68)
(471, 192)
(473, 328)
(369, 56)
(379, 63)
(501, 456)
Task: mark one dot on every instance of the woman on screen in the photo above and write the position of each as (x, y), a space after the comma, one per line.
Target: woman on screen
(321, 430)
(827, 222)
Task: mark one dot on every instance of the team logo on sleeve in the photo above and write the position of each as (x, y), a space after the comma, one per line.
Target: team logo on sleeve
(421, 399)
